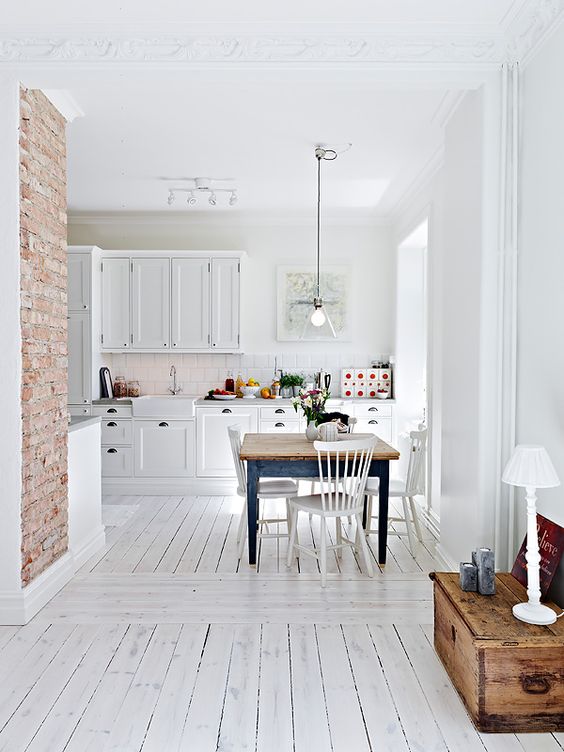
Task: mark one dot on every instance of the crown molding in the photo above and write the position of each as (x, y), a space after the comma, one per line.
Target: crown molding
(228, 219)
(530, 28)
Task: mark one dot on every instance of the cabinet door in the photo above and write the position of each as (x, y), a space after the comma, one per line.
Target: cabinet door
(164, 448)
(78, 285)
(213, 450)
(190, 303)
(225, 304)
(79, 354)
(116, 330)
(151, 303)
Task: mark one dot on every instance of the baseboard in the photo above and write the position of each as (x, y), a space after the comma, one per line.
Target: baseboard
(19, 607)
(94, 543)
(166, 487)
(432, 522)
(444, 559)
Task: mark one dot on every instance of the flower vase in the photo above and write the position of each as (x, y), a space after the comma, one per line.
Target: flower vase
(311, 433)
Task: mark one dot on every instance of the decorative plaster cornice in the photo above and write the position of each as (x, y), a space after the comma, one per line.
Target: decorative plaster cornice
(393, 47)
(528, 31)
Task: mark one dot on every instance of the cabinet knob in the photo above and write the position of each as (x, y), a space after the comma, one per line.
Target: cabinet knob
(279, 425)
(85, 401)
(125, 344)
(227, 410)
(111, 410)
(112, 424)
(174, 344)
(163, 424)
(164, 344)
(85, 307)
(112, 451)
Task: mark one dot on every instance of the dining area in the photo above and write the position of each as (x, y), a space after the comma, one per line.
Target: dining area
(343, 485)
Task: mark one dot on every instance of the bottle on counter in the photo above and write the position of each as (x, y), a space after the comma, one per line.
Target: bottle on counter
(229, 382)
(238, 385)
(120, 387)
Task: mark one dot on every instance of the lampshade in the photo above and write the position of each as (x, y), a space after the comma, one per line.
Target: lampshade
(530, 465)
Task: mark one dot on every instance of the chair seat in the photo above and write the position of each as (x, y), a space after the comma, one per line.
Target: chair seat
(277, 488)
(314, 505)
(397, 486)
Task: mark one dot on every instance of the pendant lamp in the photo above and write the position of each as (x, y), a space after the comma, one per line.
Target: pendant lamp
(318, 323)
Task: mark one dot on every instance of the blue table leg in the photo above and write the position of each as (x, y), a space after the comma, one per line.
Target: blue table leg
(252, 510)
(383, 512)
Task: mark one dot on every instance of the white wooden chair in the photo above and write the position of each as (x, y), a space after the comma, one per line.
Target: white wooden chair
(280, 488)
(342, 495)
(413, 485)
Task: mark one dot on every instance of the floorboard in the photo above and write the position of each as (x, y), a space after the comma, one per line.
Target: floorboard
(165, 641)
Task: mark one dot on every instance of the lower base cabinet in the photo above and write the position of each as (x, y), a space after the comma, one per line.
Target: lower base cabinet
(213, 450)
(117, 462)
(163, 448)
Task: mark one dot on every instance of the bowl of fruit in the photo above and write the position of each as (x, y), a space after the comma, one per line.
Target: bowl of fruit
(382, 394)
(221, 394)
(250, 389)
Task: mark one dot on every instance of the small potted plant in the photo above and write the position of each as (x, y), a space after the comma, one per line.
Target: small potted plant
(290, 384)
(312, 404)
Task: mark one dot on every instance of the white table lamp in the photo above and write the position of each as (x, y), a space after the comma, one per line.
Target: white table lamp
(530, 467)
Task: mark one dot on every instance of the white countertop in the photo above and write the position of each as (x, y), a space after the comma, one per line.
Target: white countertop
(260, 402)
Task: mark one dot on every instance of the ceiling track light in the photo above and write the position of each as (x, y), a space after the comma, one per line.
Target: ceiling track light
(203, 187)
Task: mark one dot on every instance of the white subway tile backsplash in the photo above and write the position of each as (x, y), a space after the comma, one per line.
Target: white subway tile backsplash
(211, 374)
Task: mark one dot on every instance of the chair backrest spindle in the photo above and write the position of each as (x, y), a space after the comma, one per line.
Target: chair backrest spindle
(415, 480)
(343, 470)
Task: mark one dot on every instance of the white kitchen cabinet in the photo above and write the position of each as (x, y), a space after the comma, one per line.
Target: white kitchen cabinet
(116, 329)
(382, 427)
(150, 303)
(190, 303)
(79, 360)
(78, 284)
(213, 450)
(117, 432)
(164, 448)
(225, 289)
(117, 461)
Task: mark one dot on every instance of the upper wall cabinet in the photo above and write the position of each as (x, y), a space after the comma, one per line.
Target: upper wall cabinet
(225, 294)
(150, 303)
(190, 303)
(181, 301)
(116, 318)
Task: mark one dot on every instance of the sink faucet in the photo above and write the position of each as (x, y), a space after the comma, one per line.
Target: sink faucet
(175, 388)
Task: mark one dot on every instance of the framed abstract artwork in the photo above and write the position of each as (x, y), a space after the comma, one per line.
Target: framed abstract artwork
(295, 291)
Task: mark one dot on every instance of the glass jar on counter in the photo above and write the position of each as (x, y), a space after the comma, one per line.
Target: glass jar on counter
(120, 387)
(133, 389)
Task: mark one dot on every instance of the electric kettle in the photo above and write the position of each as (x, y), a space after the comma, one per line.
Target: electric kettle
(322, 380)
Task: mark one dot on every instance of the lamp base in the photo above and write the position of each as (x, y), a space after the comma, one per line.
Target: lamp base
(534, 613)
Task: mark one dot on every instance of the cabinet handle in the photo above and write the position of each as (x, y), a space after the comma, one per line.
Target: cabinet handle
(164, 344)
(535, 684)
(280, 411)
(163, 424)
(112, 451)
(279, 425)
(372, 409)
(85, 307)
(125, 344)
(112, 424)
(174, 344)
(85, 401)
(372, 422)
(111, 410)
(227, 410)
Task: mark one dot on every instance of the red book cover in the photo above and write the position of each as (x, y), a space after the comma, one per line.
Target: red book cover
(551, 545)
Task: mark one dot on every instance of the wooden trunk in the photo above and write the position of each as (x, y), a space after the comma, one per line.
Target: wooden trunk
(509, 674)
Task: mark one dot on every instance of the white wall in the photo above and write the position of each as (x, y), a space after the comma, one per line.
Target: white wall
(540, 381)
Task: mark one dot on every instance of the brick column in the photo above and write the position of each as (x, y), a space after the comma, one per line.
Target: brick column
(43, 284)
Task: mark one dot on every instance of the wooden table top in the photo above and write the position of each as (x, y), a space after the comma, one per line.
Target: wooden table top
(295, 446)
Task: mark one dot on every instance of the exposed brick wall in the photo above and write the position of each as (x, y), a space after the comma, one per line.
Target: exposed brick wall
(44, 333)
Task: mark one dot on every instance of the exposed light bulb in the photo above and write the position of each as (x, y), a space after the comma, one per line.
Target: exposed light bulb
(318, 317)
(170, 199)
(212, 199)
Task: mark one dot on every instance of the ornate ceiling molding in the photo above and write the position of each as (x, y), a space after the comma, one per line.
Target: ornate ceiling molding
(250, 49)
(531, 27)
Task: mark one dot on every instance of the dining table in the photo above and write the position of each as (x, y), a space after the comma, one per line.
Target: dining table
(291, 455)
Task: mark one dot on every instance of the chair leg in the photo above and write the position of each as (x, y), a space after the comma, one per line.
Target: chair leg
(242, 533)
(408, 524)
(415, 517)
(368, 514)
(293, 535)
(364, 546)
(339, 536)
(323, 552)
(242, 522)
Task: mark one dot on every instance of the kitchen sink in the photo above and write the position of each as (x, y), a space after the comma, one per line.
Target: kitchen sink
(164, 406)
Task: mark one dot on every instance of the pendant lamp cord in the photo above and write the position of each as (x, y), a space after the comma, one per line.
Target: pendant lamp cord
(318, 220)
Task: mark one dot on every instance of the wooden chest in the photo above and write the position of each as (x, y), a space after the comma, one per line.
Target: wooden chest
(509, 674)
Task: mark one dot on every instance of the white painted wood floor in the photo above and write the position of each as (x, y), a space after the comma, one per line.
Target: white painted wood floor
(163, 642)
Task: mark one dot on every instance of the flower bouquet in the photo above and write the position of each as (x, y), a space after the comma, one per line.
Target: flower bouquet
(312, 404)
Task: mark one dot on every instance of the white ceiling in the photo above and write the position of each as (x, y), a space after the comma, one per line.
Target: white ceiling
(136, 134)
(33, 13)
